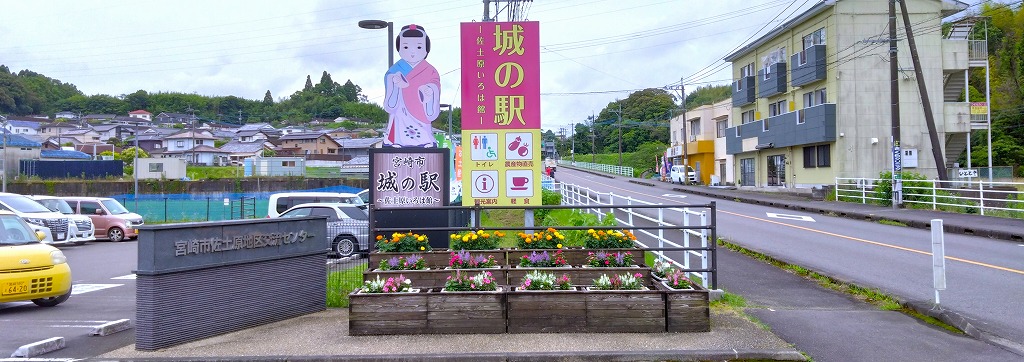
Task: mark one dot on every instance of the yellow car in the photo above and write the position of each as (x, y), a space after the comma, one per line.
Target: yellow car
(29, 269)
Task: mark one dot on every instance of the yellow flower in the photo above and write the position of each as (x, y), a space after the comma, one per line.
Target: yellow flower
(527, 241)
(560, 237)
(423, 248)
(590, 231)
(420, 238)
(455, 236)
(559, 246)
(548, 237)
(395, 235)
(379, 237)
(465, 238)
(474, 236)
(479, 231)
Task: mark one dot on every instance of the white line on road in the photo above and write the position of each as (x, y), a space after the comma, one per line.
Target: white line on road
(129, 276)
(85, 288)
(678, 196)
(790, 217)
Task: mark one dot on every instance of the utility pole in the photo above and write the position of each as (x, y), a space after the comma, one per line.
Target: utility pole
(239, 116)
(686, 152)
(894, 96)
(192, 120)
(572, 152)
(619, 113)
(929, 118)
(593, 139)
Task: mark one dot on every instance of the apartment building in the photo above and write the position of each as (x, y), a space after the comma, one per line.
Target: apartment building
(702, 142)
(811, 99)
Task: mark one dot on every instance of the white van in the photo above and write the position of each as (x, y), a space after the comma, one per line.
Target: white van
(282, 201)
(80, 226)
(53, 224)
(676, 174)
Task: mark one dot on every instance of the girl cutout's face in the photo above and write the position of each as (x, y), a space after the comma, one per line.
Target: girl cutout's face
(412, 50)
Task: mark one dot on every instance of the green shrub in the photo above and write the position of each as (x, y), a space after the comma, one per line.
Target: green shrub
(548, 197)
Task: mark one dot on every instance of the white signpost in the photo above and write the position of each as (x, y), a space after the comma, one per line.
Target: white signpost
(938, 258)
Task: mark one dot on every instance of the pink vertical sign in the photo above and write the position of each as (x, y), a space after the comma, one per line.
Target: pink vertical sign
(501, 75)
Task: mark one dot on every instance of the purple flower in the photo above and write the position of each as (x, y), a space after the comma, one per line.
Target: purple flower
(480, 259)
(393, 262)
(620, 258)
(413, 259)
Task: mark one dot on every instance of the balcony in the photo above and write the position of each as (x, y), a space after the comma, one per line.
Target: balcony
(955, 55)
(743, 91)
(806, 126)
(808, 66)
(957, 117)
(773, 82)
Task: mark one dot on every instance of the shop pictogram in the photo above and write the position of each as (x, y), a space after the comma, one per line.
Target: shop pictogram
(519, 183)
(519, 146)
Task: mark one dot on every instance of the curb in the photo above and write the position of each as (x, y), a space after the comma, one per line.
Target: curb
(683, 355)
(111, 327)
(963, 324)
(37, 348)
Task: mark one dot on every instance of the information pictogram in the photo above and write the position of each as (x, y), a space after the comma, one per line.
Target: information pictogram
(485, 184)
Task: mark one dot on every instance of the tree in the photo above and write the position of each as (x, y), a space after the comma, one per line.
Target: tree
(128, 157)
(350, 91)
(309, 84)
(268, 99)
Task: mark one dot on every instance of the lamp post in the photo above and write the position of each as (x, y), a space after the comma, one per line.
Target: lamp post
(381, 24)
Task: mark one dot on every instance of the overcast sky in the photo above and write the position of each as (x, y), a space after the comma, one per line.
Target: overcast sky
(592, 52)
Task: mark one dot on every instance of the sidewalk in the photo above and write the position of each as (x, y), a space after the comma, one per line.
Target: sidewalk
(324, 337)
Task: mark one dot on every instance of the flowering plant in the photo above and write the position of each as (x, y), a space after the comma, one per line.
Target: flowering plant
(608, 239)
(462, 260)
(475, 240)
(619, 282)
(541, 239)
(390, 285)
(412, 262)
(543, 259)
(538, 280)
(661, 268)
(605, 259)
(676, 279)
(461, 282)
(403, 243)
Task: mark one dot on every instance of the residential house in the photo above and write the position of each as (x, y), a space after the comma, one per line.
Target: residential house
(358, 147)
(23, 127)
(141, 114)
(56, 128)
(186, 140)
(95, 149)
(165, 118)
(151, 142)
(294, 129)
(80, 136)
(16, 148)
(699, 141)
(161, 168)
(342, 133)
(251, 135)
(202, 154)
(66, 115)
(256, 127)
(119, 131)
(96, 118)
(130, 121)
(811, 98)
(310, 143)
(238, 151)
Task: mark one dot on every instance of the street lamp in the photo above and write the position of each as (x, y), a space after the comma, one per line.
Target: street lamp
(381, 24)
(449, 106)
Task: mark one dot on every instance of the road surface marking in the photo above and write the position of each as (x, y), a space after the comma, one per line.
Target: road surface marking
(678, 196)
(85, 288)
(790, 217)
(129, 276)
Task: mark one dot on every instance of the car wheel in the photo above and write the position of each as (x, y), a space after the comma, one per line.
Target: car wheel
(52, 301)
(345, 246)
(115, 234)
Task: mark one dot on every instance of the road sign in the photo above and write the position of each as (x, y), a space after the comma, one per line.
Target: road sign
(967, 173)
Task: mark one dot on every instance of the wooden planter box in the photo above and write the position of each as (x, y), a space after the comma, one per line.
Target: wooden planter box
(575, 257)
(432, 278)
(546, 311)
(437, 258)
(465, 312)
(625, 311)
(580, 276)
(686, 310)
(387, 313)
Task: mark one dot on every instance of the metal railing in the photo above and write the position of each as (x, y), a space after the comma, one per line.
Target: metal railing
(986, 198)
(612, 169)
(670, 232)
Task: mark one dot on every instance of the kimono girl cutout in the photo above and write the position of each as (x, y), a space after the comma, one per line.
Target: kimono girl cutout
(413, 89)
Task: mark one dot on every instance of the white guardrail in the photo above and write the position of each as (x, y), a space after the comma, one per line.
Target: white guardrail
(598, 203)
(992, 198)
(612, 169)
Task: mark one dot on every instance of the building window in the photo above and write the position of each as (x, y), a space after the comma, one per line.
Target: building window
(156, 167)
(747, 117)
(810, 40)
(776, 168)
(815, 97)
(694, 130)
(745, 71)
(817, 156)
(287, 163)
(777, 108)
(180, 143)
(721, 126)
(673, 136)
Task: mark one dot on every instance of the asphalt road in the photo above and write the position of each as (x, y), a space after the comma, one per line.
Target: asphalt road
(103, 291)
(985, 277)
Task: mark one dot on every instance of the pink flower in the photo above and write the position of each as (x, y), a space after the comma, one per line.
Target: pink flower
(638, 275)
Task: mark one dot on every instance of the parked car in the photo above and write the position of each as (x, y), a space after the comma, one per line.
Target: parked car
(80, 229)
(347, 225)
(110, 219)
(677, 174)
(54, 225)
(282, 201)
(31, 270)
(365, 196)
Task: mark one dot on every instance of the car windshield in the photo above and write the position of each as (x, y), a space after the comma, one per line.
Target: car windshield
(300, 212)
(355, 213)
(15, 231)
(114, 207)
(22, 204)
(57, 205)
